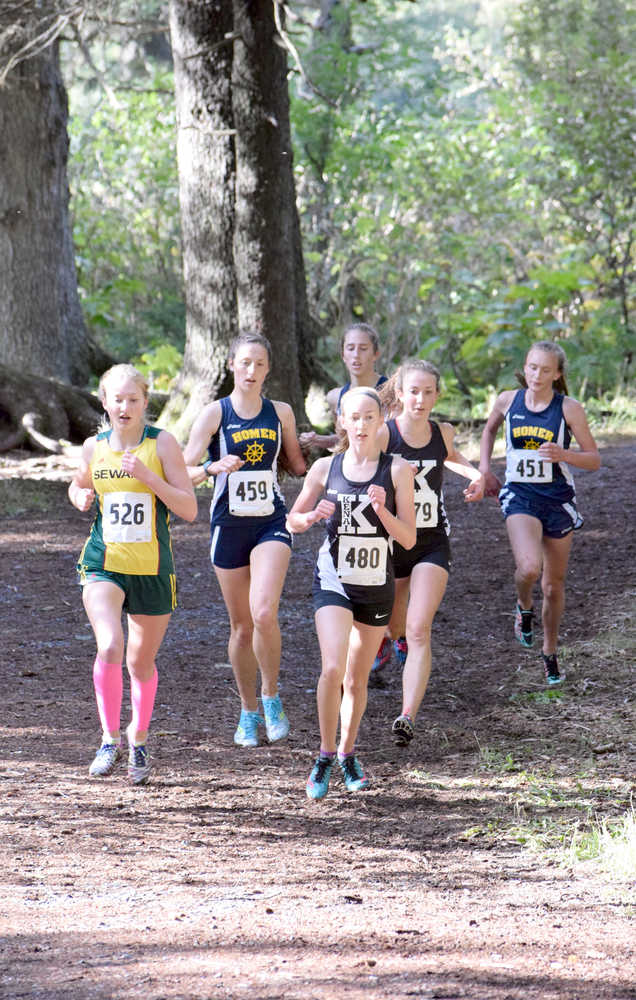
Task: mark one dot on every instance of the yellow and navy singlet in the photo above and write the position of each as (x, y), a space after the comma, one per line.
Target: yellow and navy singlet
(526, 430)
(131, 530)
(355, 557)
(251, 495)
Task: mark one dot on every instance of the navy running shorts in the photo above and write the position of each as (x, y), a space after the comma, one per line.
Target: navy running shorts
(363, 613)
(231, 546)
(558, 518)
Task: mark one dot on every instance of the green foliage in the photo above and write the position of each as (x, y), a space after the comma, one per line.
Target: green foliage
(451, 208)
(124, 201)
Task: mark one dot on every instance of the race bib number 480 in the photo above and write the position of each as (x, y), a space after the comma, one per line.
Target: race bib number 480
(526, 467)
(362, 560)
(127, 517)
(251, 494)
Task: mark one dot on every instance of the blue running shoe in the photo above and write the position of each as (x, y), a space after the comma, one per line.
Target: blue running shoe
(246, 734)
(276, 722)
(523, 627)
(138, 764)
(318, 780)
(354, 777)
(401, 650)
(383, 655)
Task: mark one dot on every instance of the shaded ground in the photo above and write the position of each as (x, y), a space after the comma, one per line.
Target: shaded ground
(220, 879)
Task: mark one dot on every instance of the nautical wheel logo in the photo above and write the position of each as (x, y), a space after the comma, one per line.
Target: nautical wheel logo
(254, 453)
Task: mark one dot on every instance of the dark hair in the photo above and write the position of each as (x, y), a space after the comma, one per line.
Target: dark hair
(559, 384)
(358, 390)
(389, 391)
(250, 338)
(365, 328)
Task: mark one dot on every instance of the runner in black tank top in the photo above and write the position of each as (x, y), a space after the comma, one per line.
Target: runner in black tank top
(422, 572)
(367, 499)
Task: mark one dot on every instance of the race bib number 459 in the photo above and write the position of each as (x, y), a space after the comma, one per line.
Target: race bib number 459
(127, 517)
(526, 467)
(251, 494)
(362, 560)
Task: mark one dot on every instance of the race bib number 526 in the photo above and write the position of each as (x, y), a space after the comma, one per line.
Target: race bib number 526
(127, 517)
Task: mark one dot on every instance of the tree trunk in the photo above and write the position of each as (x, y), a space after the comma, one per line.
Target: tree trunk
(265, 246)
(201, 33)
(35, 408)
(41, 324)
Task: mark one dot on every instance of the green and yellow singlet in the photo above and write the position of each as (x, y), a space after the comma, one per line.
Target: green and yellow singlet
(131, 530)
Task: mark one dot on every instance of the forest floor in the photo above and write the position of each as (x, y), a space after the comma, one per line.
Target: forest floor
(460, 873)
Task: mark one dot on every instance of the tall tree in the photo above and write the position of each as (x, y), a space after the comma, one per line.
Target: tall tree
(242, 251)
(201, 34)
(41, 325)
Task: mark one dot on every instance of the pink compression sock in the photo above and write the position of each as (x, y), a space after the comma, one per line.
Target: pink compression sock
(142, 696)
(108, 683)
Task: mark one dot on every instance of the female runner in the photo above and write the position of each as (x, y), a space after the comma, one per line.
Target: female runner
(360, 349)
(368, 500)
(538, 499)
(421, 574)
(137, 474)
(244, 434)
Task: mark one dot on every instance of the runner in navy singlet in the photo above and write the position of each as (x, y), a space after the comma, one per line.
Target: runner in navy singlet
(360, 349)
(538, 499)
(244, 434)
(367, 501)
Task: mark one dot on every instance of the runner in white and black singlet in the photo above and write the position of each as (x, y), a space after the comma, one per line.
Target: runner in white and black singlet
(421, 574)
(538, 500)
(367, 501)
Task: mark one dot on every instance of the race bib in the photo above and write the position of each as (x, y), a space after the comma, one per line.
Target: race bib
(526, 467)
(127, 517)
(251, 494)
(425, 498)
(362, 560)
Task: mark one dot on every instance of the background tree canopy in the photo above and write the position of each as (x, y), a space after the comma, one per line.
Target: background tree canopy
(464, 176)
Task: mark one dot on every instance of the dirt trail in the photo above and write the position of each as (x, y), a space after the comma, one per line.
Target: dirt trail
(220, 879)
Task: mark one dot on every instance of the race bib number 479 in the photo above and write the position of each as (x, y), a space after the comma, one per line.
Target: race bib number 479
(127, 517)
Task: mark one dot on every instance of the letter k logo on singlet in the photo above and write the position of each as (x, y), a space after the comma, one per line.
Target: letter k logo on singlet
(352, 519)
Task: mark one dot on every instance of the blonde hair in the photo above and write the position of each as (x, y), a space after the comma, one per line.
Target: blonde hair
(121, 372)
(358, 390)
(389, 391)
(559, 384)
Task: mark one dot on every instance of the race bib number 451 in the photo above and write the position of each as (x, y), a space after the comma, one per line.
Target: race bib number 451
(251, 494)
(526, 467)
(362, 560)
(127, 517)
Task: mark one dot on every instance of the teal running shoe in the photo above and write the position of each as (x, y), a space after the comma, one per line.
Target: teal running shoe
(553, 675)
(523, 627)
(401, 650)
(318, 780)
(276, 722)
(246, 734)
(354, 777)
